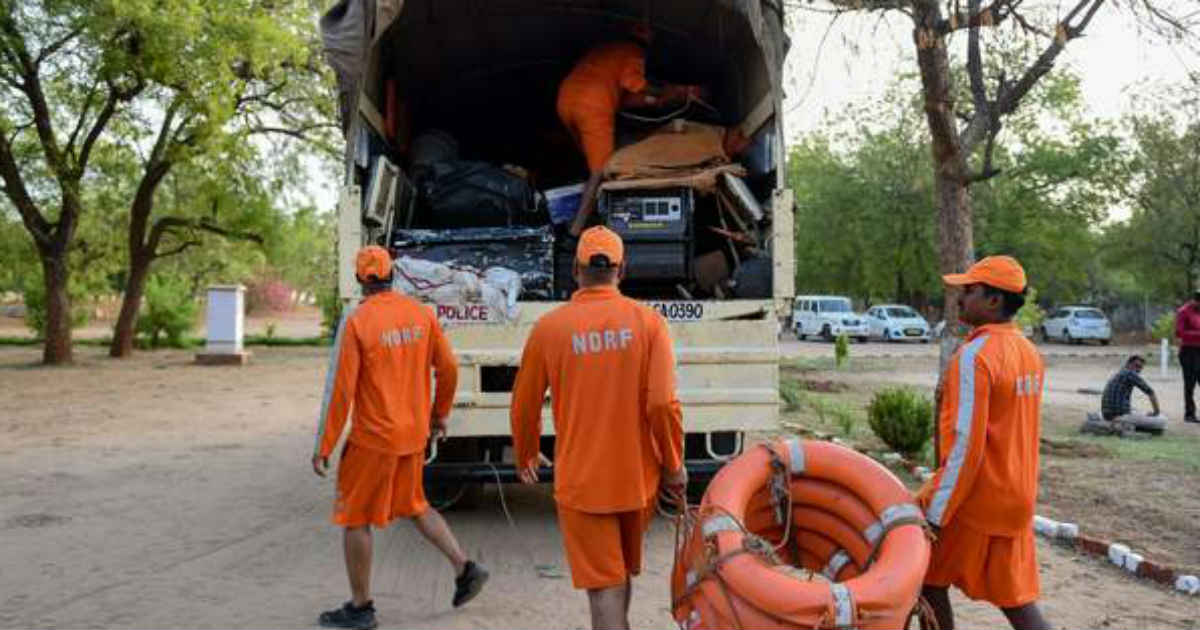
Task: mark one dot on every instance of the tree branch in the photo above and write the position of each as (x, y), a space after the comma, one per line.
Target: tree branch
(1006, 103)
(178, 250)
(33, 90)
(57, 45)
(14, 189)
(975, 63)
(165, 224)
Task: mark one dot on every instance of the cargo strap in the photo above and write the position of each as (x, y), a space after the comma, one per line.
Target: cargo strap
(892, 517)
(843, 606)
(796, 461)
(836, 562)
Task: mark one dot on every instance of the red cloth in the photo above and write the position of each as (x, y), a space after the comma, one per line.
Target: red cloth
(1187, 324)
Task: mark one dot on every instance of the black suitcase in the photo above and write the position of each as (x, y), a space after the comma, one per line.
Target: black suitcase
(464, 194)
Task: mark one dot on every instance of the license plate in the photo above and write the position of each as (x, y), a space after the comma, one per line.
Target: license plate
(679, 311)
(913, 332)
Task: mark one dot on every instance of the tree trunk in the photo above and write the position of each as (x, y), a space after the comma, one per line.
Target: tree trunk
(57, 349)
(131, 304)
(951, 175)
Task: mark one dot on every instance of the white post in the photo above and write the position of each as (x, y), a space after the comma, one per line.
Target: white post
(226, 324)
(1164, 354)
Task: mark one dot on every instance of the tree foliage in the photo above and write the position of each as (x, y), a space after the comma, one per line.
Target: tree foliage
(101, 101)
(866, 219)
(1159, 180)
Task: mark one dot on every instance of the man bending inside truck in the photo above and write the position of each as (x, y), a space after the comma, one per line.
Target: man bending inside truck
(608, 362)
(1115, 404)
(381, 366)
(609, 77)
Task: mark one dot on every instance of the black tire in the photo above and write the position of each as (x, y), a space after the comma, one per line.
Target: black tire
(1042, 334)
(1105, 342)
(862, 339)
(1067, 338)
(800, 335)
(827, 333)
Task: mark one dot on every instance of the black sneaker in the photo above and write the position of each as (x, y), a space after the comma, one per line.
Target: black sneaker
(350, 616)
(468, 585)
(1190, 419)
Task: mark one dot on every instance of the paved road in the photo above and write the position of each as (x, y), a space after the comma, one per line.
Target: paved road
(790, 347)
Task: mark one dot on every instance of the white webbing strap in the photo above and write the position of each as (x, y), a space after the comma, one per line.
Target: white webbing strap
(843, 606)
(796, 462)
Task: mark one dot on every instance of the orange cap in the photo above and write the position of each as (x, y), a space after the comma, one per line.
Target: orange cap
(1001, 272)
(600, 241)
(373, 260)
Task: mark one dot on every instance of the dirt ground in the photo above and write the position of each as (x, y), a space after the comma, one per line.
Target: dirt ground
(152, 493)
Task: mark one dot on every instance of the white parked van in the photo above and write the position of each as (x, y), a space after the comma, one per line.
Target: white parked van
(827, 316)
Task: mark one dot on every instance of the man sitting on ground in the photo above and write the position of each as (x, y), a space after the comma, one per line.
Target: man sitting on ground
(1115, 404)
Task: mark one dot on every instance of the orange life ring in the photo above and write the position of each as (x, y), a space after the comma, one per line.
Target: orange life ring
(800, 534)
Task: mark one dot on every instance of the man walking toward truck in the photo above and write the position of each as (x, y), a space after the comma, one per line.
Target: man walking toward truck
(608, 363)
(380, 366)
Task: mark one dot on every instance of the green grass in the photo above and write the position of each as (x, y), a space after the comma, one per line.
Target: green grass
(835, 413)
(829, 364)
(1168, 447)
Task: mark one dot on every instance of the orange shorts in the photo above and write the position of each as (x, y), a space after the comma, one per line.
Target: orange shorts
(592, 128)
(1000, 570)
(603, 550)
(376, 488)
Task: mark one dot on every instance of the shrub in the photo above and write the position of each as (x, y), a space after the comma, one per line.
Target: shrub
(33, 292)
(331, 311)
(1164, 328)
(169, 313)
(841, 349)
(1031, 315)
(902, 418)
(268, 295)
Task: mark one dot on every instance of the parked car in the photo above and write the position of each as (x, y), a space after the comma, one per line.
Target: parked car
(827, 316)
(1075, 324)
(897, 322)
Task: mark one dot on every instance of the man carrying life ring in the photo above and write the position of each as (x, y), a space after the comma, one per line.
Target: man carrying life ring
(981, 499)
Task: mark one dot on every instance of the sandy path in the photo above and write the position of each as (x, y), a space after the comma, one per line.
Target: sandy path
(153, 493)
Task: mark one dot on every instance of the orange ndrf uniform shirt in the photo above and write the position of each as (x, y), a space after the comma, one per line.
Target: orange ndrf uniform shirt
(590, 96)
(611, 372)
(380, 366)
(609, 365)
(985, 489)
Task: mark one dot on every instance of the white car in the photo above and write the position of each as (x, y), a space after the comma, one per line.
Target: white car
(827, 316)
(896, 322)
(1072, 324)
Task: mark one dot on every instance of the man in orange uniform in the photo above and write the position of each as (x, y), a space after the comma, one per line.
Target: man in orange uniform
(381, 362)
(608, 362)
(981, 499)
(609, 77)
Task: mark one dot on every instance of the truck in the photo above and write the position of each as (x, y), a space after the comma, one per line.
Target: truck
(473, 82)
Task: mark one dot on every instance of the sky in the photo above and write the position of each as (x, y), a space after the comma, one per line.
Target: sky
(1110, 59)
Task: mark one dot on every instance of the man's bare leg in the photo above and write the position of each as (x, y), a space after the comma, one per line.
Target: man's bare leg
(357, 546)
(1027, 617)
(628, 598)
(608, 607)
(434, 528)
(939, 599)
